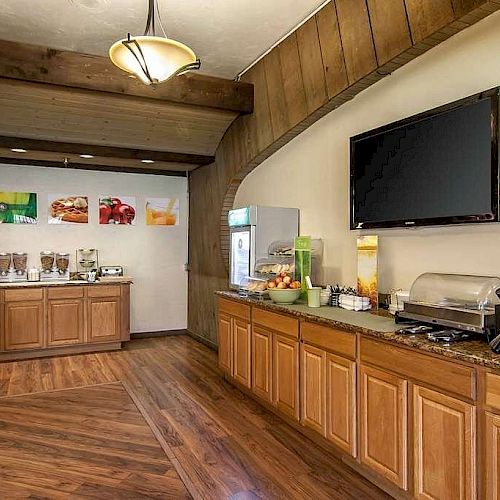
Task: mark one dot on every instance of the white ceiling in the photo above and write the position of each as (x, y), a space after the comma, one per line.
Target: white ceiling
(227, 35)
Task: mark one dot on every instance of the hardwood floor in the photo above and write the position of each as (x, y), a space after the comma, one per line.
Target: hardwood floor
(88, 442)
(222, 443)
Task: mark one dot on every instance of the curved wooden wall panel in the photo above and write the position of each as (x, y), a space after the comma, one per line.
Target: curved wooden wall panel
(343, 49)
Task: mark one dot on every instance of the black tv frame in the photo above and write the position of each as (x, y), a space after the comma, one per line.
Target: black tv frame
(492, 216)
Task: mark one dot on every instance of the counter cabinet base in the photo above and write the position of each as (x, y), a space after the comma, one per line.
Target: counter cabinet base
(59, 351)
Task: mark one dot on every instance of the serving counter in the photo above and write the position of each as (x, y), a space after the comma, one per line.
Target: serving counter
(417, 418)
(52, 318)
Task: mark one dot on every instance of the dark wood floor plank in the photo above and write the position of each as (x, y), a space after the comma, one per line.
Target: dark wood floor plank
(220, 442)
(86, 442)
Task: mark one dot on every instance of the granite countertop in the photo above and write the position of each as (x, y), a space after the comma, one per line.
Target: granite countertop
(378, 326)
(34, 284)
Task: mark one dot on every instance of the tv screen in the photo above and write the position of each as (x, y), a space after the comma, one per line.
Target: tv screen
(439, 167)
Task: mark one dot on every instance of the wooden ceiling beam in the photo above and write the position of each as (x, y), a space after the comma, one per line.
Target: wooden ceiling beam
(104, 151)
(90, 166)
(35, 63)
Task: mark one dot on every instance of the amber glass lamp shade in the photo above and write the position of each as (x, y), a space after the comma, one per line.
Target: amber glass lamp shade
(153, 59)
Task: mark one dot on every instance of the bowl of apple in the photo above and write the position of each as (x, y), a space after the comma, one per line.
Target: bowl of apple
(283, 289)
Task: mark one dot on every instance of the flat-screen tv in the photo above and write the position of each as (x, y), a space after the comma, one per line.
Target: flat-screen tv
(438, 167)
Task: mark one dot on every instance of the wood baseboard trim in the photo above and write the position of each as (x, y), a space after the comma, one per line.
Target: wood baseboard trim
(160, 333)
(203, 340)
(59, 351)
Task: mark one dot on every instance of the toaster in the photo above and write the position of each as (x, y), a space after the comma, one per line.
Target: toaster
(110, 271)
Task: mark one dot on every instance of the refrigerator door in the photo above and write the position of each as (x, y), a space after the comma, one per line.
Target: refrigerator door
(240, 258)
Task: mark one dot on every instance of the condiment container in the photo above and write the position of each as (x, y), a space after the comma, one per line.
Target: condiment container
(313, 296)
(33, 274)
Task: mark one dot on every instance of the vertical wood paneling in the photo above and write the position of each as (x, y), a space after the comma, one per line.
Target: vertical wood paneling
(357, 41)
(331, 50)
(293, 85)
(276, 94)
(391, 32)
(260, 123)
(427, 16)
(311, 62)
(348, 54)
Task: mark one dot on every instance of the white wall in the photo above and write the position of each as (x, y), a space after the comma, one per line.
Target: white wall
(153, 255)
(312, 171)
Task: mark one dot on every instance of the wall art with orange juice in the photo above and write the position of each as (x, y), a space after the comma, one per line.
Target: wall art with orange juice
(162, 212)
(368, 268)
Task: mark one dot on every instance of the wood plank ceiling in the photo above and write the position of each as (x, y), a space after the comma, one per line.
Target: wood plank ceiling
(346, 47)
(80, 102)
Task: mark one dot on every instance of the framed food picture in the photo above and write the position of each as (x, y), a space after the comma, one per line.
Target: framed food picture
(18, 208)
(117, 210)
(67, 209)
(162, 211)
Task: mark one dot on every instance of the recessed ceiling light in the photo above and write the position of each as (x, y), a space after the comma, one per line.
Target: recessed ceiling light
(86, 156)
(147, 161)
(19, 150)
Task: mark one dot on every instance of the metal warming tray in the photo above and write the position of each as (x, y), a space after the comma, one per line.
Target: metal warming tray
(454, 300)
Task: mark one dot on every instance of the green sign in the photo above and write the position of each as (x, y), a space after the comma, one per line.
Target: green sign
(239, 217)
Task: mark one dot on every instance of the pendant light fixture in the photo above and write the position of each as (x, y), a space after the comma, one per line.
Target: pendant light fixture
(151, 58)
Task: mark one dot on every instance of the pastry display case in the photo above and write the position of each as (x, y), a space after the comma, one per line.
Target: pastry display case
(255, 287)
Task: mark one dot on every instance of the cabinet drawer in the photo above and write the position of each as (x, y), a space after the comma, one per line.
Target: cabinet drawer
(103, 291)
(234, 308)
(446, 375)
(65, 292)
(277, 322)
(23, 294)
(493, 390)
(336, 341)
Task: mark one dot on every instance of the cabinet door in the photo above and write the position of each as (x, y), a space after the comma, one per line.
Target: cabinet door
(261, 363)
(313, 387)
(65, 322)
(104, 320)
(242, 348)
(492, 444)
(286, 375)
(384, 424)
(341, 402)
(225, 343)
(24, 325)
(444, 446)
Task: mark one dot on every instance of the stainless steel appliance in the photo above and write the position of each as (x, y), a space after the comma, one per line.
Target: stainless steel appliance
(460, 302)
(252, 229)
(111, 271)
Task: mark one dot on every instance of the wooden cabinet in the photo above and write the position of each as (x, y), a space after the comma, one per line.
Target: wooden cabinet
(341, 403)
(225, 343)
(241, 348)
(492, 459)
(24, 325)
(235, 341)
(408, 417)
(103, 320)
(444, 446)
(62, 318)
(286, 375)
(383, 412)
(313, 388)
(262, 363)
(65, 322)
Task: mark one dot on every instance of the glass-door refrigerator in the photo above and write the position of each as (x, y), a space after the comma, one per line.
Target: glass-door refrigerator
(252, 230)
